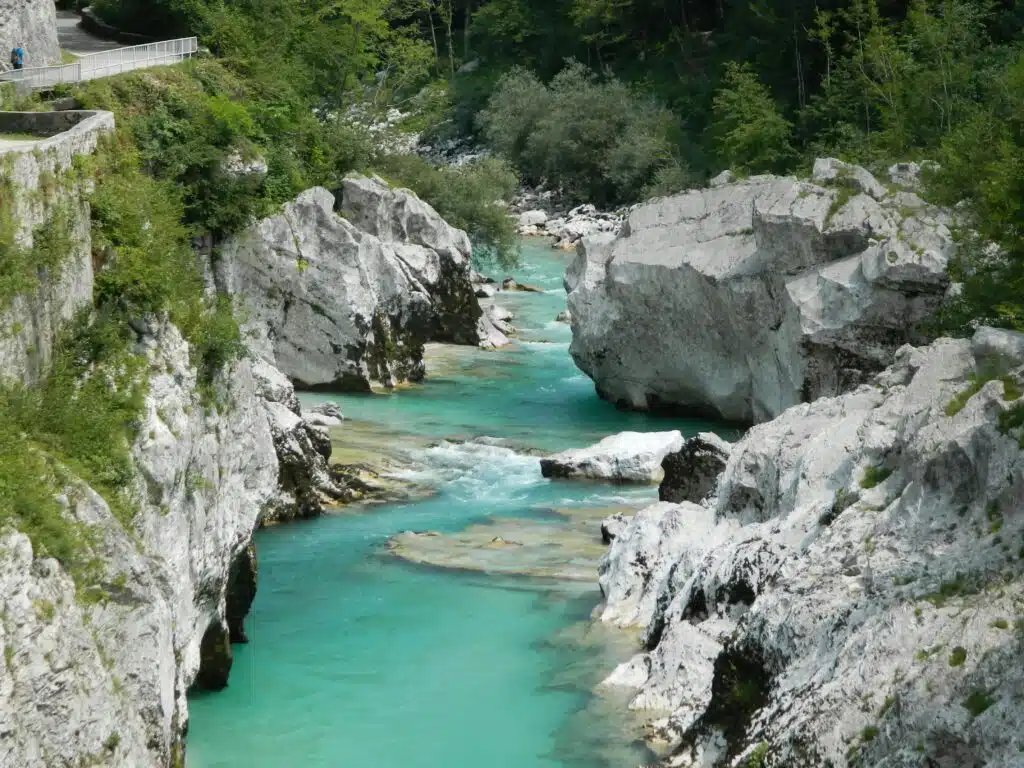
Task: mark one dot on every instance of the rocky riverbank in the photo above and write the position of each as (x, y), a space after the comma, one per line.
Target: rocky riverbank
(856, 564)
(97, 667)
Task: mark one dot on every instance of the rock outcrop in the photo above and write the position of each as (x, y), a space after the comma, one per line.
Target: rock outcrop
(743, 299)
(851, 594)
(628, 457)
(305, 482)
(96, 673)
(349, 298)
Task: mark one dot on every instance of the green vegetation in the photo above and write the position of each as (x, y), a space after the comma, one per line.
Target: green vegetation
(948, 590)
(874, 476)
(958, 656)
(1000, 624)
(758, 757)
(869, 734)
(978, 702)
(599, 139)
(619, 100)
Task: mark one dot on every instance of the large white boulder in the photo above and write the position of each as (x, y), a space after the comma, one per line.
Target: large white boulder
(859, 567)
(349, 300)
(628, 457)
(741, 300)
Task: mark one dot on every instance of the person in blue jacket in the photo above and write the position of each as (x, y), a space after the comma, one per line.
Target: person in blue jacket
(18, 58)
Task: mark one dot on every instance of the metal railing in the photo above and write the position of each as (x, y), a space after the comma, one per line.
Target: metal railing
(105, 63)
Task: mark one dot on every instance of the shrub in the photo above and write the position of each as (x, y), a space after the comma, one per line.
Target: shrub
(601, 140)
(958, 656)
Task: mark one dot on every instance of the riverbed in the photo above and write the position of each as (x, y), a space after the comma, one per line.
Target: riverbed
(357, 658)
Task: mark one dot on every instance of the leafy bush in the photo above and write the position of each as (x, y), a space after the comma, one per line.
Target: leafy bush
(467, 197)
(601, 140)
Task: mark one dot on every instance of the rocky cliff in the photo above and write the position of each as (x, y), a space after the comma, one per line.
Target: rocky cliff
(350, 286)
(96, 673)
(852, 593)
(743, 299)
(32, 26)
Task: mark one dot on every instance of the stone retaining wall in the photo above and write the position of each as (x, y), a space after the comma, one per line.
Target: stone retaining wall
(36, 179)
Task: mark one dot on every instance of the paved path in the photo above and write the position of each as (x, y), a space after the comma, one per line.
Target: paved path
(74, 39)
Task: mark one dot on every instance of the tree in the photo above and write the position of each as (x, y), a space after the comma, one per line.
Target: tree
(751, 133)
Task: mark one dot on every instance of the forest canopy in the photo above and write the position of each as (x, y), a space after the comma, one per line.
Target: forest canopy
(616, 100)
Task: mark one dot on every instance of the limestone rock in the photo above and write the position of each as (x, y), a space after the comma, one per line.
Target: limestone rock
(820, 285)
(725, 177)
(628, 457)
(29, 322)
(350, 301)
(889, 617)
(829, 169)
(613, 526)
(102, 681)
(305, 481)
(691, 474)
(532, 218)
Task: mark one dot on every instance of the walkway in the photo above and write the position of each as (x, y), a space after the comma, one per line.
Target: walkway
(74, 39)
(99, 58)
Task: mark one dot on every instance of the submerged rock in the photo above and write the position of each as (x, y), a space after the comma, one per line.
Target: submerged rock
(691, 474)
(628, 457)
(566, 549)
(349, 300)
(887, 618)
(741, 300)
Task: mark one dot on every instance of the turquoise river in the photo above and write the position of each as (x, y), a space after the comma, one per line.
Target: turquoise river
(360, 660)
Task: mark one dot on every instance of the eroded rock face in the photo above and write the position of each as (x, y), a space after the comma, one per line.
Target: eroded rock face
(305, 481)
(103, 681)
(743, 299)
(691, 473)
(628, 457)
(779, 605)
(349, 300)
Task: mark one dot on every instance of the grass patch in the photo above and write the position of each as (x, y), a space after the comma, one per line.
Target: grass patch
(959, 401)
(949, 590)
(958, 656)
(869, 734)
(1000, 624)
(874, 476)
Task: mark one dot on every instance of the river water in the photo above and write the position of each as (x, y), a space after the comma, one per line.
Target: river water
(359, 659)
